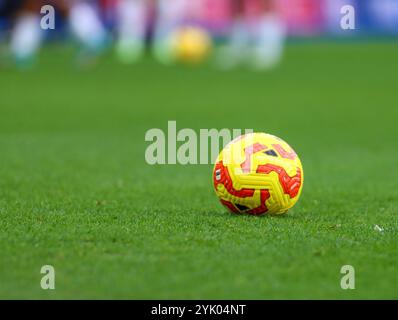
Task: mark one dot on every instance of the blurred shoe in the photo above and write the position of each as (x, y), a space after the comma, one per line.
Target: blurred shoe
(162, 51)
(25, 62)
(129, 52)
(90, 52)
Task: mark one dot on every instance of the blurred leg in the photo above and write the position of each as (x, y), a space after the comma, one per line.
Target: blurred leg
(239, 32)
(170, 14)
(131, 23)
(238, 41)
(87, 26)
(269, 36)
(26, 35)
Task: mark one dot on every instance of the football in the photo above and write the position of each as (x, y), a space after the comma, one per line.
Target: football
(258, 173)
(191, 44)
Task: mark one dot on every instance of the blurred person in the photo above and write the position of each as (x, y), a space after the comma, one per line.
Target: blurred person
(87, 28)
(130, 29)
(169, 15)
(27, 35)
(258, 40)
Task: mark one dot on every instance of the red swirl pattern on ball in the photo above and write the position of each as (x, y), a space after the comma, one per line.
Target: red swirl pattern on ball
(264, 196)
(290, 185)
(225, 179)
(229, 206)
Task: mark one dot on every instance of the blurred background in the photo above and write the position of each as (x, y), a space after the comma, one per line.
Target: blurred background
(132, 26)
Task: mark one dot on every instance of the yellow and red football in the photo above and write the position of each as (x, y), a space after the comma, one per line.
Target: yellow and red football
(258, 173)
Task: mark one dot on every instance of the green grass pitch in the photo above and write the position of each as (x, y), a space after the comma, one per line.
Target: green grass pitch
(76, 193)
